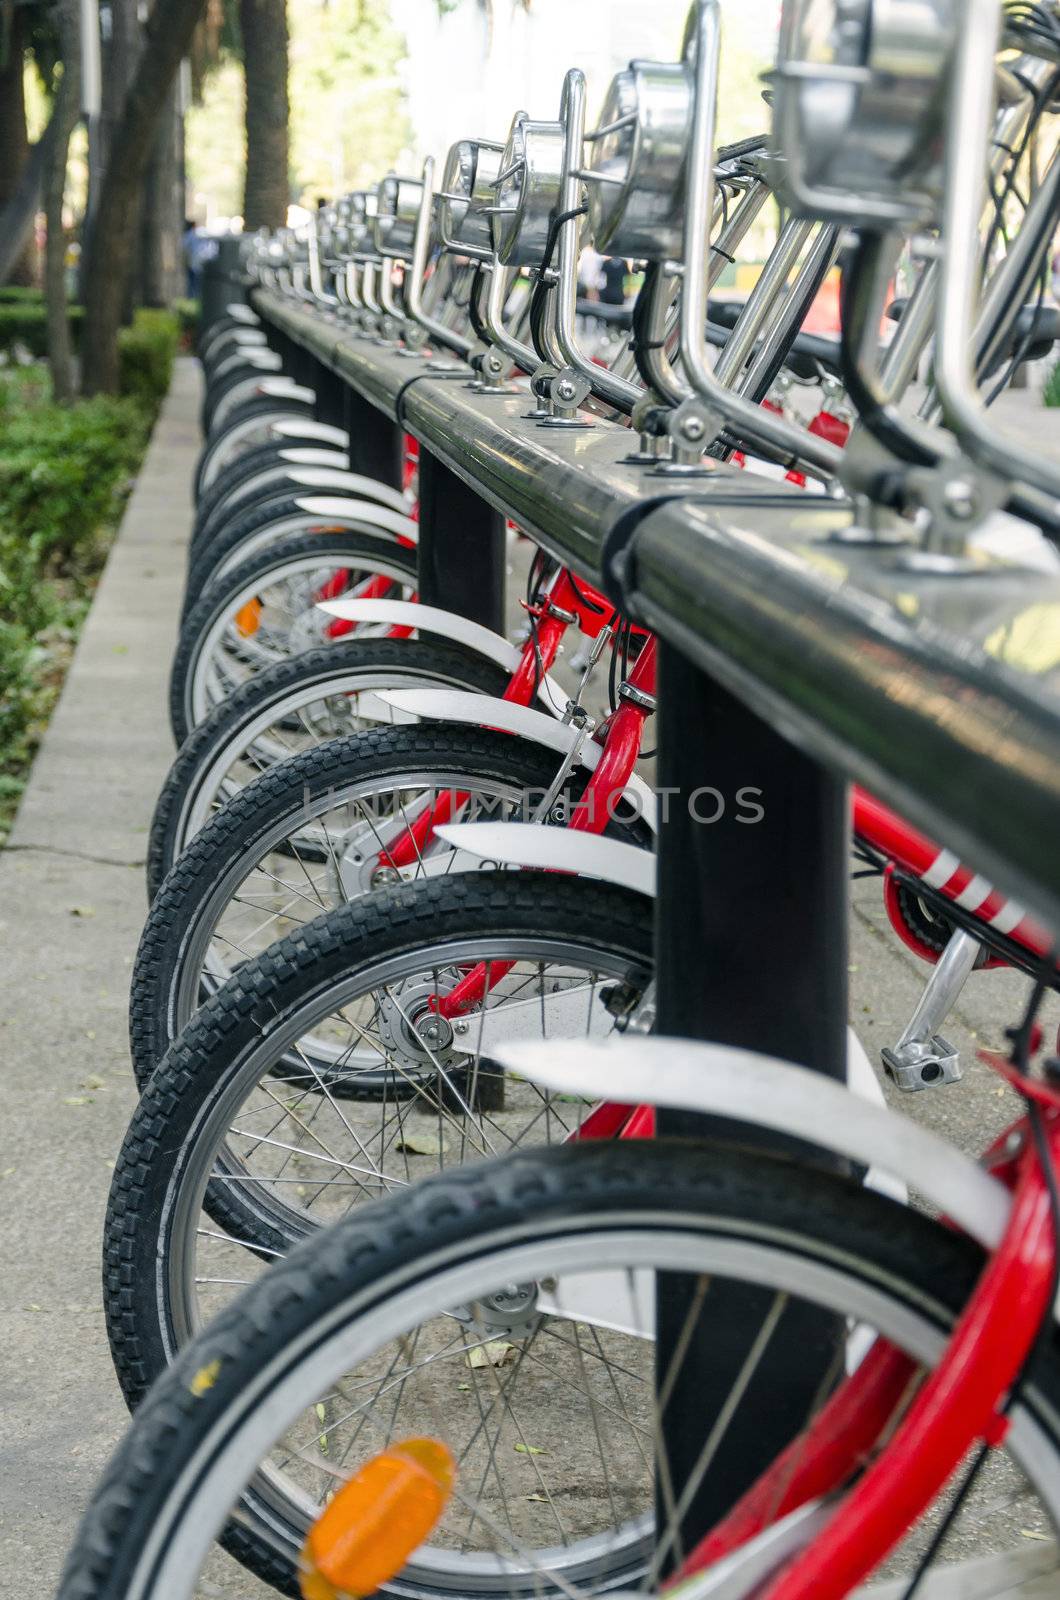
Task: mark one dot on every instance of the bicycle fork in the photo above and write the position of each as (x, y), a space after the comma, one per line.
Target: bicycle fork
(593, 812)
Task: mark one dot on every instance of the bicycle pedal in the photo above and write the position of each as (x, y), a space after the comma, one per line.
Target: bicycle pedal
(922, 1064)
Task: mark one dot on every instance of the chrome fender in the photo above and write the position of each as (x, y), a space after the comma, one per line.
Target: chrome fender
(769, 1093)
(433, 619)
(287, 388)
(532, 844)
(326, 475)
(341, 508)
(485, 711)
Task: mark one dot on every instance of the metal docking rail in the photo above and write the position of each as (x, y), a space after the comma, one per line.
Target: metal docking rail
(939, 691)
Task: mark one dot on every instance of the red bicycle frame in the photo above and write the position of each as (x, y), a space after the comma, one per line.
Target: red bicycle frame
(958, 1405)
(566, 604)
(917, 857)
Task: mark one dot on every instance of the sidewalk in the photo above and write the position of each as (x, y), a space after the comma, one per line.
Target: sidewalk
(72, 904)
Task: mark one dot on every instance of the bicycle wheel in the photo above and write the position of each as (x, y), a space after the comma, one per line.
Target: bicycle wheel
(265, 609)
(320, 1077)
(509, 1311)
(298, 703)
(313, 833)
(262, 524)
(259, 468)
(256, 423)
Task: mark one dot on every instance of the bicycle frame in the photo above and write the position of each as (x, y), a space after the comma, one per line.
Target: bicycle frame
(913, 857)
(960, 1404)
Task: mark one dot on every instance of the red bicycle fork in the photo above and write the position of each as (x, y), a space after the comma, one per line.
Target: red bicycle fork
(562, 607)
(623, 735)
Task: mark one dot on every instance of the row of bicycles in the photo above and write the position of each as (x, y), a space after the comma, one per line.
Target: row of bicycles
(406, 1287)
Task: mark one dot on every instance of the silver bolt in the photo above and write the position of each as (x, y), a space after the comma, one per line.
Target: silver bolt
(460, 1027)
(692, 428)
(961, 499)
(1014, 1143)
(565, 390)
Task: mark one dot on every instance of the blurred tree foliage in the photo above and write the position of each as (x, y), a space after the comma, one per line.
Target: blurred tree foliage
(348, 123)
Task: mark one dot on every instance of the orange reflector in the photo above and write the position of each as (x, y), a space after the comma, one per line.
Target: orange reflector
(374, 1523)
(248, 618)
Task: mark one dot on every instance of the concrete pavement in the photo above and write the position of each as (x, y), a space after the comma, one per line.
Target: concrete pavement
(72, 903)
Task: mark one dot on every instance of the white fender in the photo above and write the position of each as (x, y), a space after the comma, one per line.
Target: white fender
(532, 844)
(343, 509)
(253, 387)
(259, 357)
(521, 844)
(774, 1094)
(432, 619)
(241, 313)
(484, 711)
(308, 455)
(325, 475)
(295, 428)
(249, 338)
(287, 389)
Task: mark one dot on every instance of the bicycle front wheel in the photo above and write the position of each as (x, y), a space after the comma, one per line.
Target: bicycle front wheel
(509, 1310)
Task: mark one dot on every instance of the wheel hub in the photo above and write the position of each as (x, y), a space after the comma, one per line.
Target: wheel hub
(412, 1030)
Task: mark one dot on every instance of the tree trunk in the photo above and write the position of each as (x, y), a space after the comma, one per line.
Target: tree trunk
(17, 217)
(167, 36)
(163, 214)
(264, 27)
(14, 139)
(66, 114)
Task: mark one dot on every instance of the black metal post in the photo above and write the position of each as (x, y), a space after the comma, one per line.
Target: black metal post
(462, 547)
(222, 284)
(377, 448)
(331, 392)
(303, 366)
(751, 943)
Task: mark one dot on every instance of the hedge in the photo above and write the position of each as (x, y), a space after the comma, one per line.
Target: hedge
(64, 473)
(22, 323)
(145, 350)
(145, 353)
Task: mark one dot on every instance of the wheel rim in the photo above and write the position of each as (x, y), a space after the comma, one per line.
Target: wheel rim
(307, 716)
(563, 1250)
(224, 659)
(265, 1138)
(327, 858)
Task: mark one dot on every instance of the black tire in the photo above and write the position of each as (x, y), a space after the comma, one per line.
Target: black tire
(342, 1277)
(220, 857)
(303, 971)
(251, 526)
(227, 488)
(277, 407)
(332, 668)
(358, 551)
